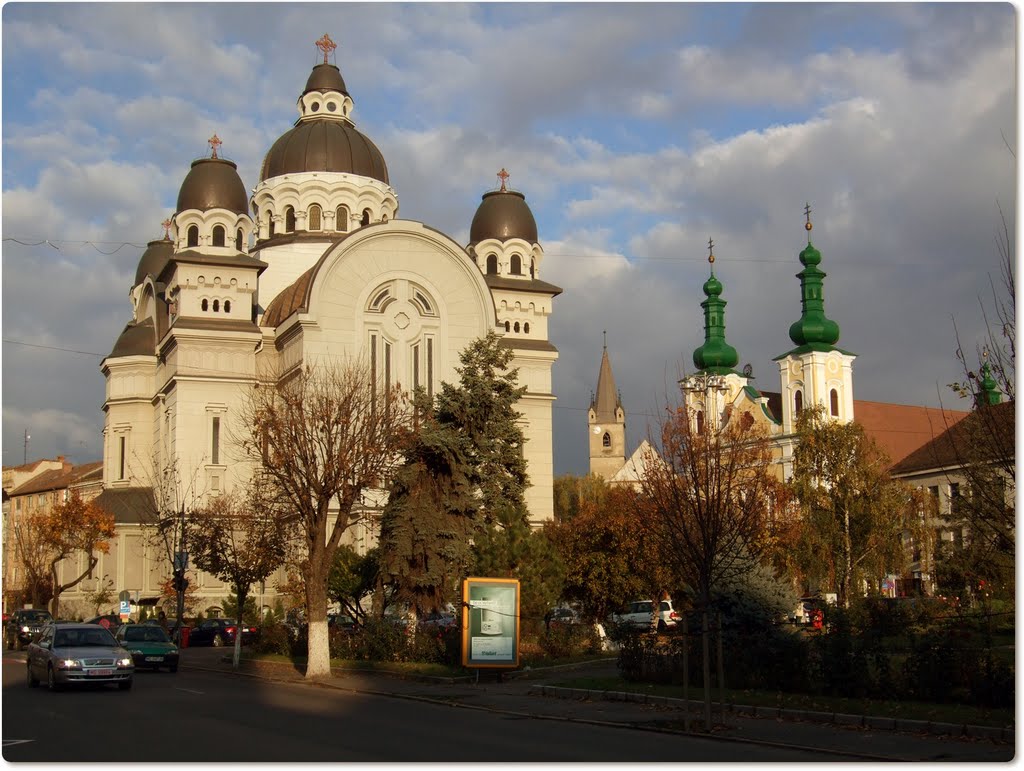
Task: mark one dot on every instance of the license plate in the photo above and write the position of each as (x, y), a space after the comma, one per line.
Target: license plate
(100, 672)
(154, 658)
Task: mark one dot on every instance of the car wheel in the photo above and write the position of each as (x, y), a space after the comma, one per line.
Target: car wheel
(32, 681)
(218, 641)
(125, 685)
(51, 680)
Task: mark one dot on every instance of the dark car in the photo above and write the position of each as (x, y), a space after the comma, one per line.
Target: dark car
(220, 631)
(24, 625)
(149, 645)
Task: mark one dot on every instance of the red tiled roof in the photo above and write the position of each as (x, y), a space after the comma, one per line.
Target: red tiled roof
(56, 479)
(900, 429)
(947, 449)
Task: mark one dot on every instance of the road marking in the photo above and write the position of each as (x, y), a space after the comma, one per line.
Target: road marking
(12, 742)
(188, 690)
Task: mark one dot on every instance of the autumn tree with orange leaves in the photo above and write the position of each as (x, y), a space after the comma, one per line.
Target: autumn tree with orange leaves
(73, 526)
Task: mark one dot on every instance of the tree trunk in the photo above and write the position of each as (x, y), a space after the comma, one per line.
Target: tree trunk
(318, 652)
(55, 599)
(844, 584)
(242, 593)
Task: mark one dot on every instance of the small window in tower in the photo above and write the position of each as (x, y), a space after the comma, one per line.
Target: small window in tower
(270, 225)
(332, 106)
(289, 220)
(516, 266)
(215, 449)
(238, 240)
(341, 219)
(216, 306)
(227, 306)
(314, 217)
(492, 264)
(205, 305)
(193, 236)
(366, 217)
(834, 402)
(314, 107)
(508, 326)
(526, 327)
(384, 218)
(516, 327)
(218, 235)
(700, 421)
(798, 402)
(532, 268)
(606, 440)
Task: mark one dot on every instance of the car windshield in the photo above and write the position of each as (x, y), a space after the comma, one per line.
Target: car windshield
(81, 638)
(145, 634)
(35, 615)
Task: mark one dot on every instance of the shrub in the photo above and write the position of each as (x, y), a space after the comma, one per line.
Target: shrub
(273, 639)
(564, 640)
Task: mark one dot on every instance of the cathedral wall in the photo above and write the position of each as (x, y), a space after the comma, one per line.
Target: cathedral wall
(284, 265)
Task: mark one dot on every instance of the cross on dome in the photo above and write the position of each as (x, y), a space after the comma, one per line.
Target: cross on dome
(711, 251)
(214, 143)
(503, 176)
(166, 225)
(808, 226)
(326, 45)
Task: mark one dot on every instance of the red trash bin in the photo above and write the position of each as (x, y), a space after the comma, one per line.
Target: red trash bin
(183, 642)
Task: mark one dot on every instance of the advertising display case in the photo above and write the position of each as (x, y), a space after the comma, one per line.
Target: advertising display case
(490, 622)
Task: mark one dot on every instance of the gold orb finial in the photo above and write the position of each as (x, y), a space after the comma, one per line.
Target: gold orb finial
(807, 212)
(711, 252)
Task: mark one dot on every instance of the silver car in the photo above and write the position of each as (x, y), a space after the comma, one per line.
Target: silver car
(72, 654)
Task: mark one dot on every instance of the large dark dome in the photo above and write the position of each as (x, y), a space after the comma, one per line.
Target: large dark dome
(324, 145)
(213, 183)
(154, 259)
(503, 214)
(325, 77)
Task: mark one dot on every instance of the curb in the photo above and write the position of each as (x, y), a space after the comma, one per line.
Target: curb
(955, 730)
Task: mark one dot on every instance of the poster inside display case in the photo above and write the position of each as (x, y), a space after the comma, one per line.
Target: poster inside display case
(490, 622)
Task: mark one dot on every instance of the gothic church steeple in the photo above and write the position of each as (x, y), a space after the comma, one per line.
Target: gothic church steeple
(607, 423)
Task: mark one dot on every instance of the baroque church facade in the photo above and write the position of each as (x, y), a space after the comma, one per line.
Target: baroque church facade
(314, 265)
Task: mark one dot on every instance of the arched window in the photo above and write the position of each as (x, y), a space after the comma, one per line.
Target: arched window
(366, 217)
(516, 266)
(227, 306)
(341, 219)
(384, 218)
(216, 306)
(313, 218)
(492, 264)
(606, 440)
(526, 327)
(193, 235)
(270, 224)
(798, 402)
(238, 240)
(700, 421)
(834, 399)
(516, 327)
(218, 235)
(289, 220)
(508, 326)
(532, 267)
(205, 305)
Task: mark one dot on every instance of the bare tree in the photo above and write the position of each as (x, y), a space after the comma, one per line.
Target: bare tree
(31, 553)
(323, 435)
(707, 495)
(240, 538)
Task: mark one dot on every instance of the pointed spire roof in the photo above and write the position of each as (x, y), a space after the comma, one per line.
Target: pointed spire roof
(814, 331)
(716, 355)
(606, 399)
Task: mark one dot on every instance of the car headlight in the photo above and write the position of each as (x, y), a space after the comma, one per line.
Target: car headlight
(69, 664)
(24, 629)
(124, 661)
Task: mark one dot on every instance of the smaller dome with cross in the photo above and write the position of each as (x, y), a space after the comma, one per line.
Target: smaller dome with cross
(213, 183)
(503, 215)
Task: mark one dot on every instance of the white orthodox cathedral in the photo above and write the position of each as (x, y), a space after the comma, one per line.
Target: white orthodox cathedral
(314, 264)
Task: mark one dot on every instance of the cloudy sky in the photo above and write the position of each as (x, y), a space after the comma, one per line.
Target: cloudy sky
(637, 132)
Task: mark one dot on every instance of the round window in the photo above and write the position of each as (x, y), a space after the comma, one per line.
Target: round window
(331, 107)
(314, 107)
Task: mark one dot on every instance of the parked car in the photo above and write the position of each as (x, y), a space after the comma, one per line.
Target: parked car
(437, 619)
(638, 614)
(149, 645)
(562, 615)
(77, 654)
(24, 625)
(342, 622)
(220, 631)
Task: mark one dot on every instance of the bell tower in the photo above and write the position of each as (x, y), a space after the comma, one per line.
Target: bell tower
(607, 423)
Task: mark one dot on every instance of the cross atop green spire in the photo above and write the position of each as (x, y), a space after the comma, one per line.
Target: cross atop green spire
(989, 393)
(716, 355)
(814, 330)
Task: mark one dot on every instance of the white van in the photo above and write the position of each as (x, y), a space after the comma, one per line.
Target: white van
(638, 614)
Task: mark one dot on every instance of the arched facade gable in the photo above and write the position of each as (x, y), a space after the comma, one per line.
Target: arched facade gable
(341, 312)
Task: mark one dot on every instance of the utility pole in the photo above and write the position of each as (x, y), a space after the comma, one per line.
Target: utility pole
(27, 437)
(179, 582)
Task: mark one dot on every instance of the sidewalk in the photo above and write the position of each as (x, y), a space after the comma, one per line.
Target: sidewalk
(529, 693)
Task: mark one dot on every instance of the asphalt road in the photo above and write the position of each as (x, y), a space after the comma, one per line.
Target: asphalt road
(211, 717)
